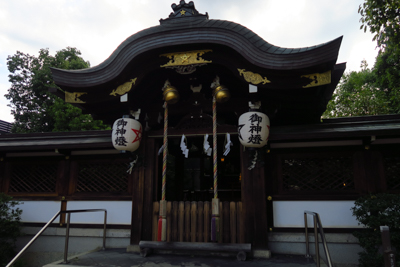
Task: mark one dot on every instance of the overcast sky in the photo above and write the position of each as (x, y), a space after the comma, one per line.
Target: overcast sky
(97, 27)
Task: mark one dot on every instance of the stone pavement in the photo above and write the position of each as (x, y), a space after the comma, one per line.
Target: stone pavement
(121, 258)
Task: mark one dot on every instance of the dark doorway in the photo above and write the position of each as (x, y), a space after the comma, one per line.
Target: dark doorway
(191, 178)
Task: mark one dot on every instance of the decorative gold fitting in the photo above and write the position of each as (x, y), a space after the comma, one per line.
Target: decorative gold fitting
(270, 229)
(171, 95)
(366, 147)
(2, 159)
(221, 94)
(269, 198)
(63, 198)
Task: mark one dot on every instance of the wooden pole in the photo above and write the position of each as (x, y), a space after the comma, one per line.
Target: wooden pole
(388, 254)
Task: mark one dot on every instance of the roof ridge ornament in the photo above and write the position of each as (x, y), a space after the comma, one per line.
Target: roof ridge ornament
(184, 10)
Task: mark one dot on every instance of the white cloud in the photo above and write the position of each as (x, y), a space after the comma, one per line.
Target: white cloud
(5, 112)
(361, 50)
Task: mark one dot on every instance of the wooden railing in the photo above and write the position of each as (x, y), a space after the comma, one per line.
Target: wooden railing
(191, 221)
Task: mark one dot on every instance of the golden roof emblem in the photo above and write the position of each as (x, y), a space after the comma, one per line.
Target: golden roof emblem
(123, 88)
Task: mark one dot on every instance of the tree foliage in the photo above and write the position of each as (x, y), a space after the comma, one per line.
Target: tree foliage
(382, 18)
(358, 95)
(33, 107)
(373, 211)
(387, 71)
(375, 91)
(10, 227)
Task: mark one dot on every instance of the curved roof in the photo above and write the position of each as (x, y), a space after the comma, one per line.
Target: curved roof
(200, 30)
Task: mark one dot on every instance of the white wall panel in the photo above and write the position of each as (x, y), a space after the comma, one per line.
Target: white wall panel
(118, 212)
(334, 214)
(39, 211)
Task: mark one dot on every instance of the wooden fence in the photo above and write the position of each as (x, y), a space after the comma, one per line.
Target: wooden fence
(191, 221)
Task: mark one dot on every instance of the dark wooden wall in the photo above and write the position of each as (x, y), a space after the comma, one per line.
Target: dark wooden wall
(369, 169)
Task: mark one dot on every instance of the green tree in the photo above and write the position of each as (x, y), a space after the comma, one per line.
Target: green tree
(357, 95)
(10, 227)
(373, 211)
(387, 72)
(33, 107)
(382, 18)
(376, 91)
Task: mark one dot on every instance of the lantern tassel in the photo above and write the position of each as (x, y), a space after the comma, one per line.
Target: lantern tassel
(253, 162)
(131, 165)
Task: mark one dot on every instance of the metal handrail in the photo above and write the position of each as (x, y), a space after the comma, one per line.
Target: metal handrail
(317, 222)
(66, 235)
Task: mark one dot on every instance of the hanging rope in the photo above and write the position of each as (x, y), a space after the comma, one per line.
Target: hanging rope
(215, 147)
(165, 151)
(215, 229)
(162, 221)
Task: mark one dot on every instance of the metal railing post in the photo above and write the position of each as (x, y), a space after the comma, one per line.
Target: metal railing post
(67, 239)
(324, 243)
(317, 225)
(306, 228)
(32, 240)
(316, 241)
(67, 233)
(104, 231)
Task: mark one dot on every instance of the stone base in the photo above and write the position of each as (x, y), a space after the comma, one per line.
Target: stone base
(258, 253)
(133, 249)
(262, 253)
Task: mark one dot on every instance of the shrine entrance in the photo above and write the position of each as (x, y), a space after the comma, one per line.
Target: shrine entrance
(192, 55)
(189, 191)
(191, 178)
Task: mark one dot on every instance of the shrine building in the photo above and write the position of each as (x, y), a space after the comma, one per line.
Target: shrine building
(187, 81)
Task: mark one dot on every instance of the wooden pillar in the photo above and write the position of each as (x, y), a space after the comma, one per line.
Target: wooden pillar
(149, 165)
(142, 193)
(254, 202)
(368, 172)
(137, 205)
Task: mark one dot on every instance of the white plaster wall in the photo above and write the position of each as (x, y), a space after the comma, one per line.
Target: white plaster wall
(118, 212)
(333, 214)
(39, 211)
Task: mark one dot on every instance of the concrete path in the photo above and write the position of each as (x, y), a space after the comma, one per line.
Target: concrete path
(120, 258)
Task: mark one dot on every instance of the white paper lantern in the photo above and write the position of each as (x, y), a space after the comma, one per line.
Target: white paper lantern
(126, 134)
(253, 129)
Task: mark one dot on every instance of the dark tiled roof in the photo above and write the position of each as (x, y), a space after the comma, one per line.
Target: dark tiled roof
(383, 127)
(5, 127)
(197, 30)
